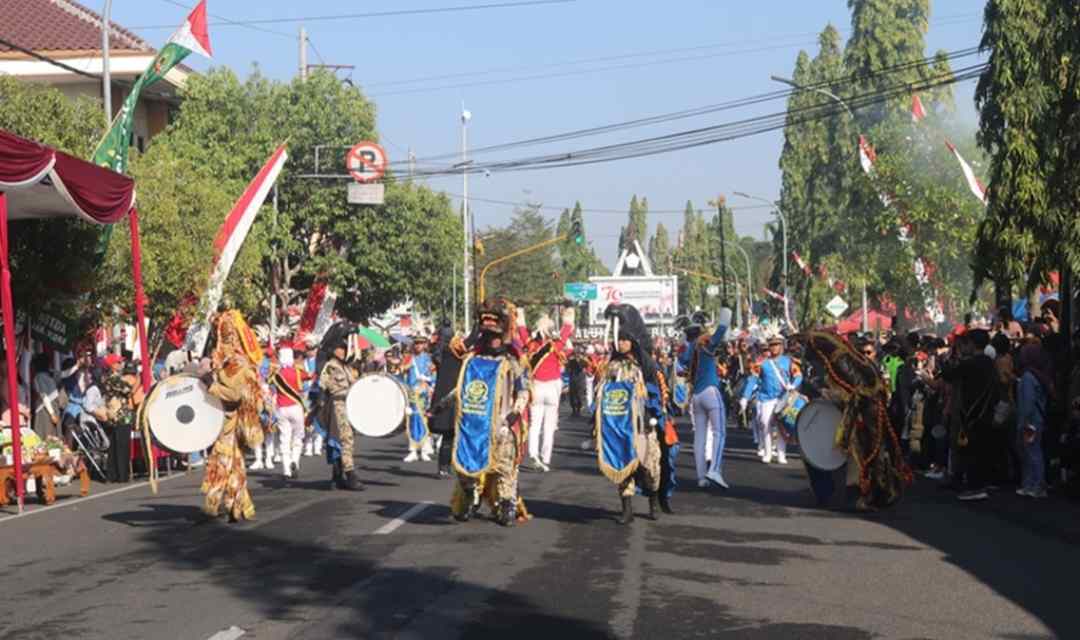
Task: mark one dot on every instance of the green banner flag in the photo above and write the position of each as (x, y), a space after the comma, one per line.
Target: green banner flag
(112, 151)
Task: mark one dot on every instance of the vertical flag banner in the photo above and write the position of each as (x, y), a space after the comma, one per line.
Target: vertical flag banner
(112, 151)
(918, 113)
(227, 245)
(973, 182)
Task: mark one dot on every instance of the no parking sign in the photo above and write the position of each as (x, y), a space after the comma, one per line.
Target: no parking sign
(366, 161)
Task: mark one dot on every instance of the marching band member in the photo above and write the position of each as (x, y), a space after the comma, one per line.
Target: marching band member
(699, 359)
(488, 402)
(235, 380)
(629, 412)
(547, 355)
(418, 375)
(288, 379)
(316, 432)
(771, 377)
(334, 380)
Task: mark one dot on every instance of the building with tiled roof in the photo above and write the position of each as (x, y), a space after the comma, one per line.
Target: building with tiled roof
(67, 32)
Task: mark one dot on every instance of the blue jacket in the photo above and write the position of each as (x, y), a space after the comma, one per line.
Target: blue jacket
(766, 378)
(1030, 403)
(706, 374)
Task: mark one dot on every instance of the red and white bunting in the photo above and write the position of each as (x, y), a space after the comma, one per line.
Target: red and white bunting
(319, 311)
(774, 295)
(973, 182)
(802, 264)
(867, 157)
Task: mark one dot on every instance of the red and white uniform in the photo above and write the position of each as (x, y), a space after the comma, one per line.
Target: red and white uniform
(546, 358)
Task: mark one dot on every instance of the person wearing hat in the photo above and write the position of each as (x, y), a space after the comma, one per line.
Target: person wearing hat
(417, 373)
(117, 415)
(547, 355)
(288, 378)
(316, 432)
(335, 379)
(699, 359)
(771, 378)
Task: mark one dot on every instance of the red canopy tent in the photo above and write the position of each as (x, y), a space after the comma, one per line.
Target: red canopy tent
(39, 182)
(877, 321)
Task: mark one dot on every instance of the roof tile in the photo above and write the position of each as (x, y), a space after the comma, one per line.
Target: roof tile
(60, 25)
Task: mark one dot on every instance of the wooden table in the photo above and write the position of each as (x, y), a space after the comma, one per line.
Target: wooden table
(44, 472)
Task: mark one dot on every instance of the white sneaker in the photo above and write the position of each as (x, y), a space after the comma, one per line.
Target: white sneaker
(717, 478)
(425, 456)
(412, 457)
(277, 458)
(766, 458)
(703, 484)
(760, 452)
(287, 473)
(307, 451)
(538, 465)
(256, 466)
(781, 458)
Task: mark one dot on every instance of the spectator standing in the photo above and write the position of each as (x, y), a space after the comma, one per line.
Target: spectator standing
(1035, 389)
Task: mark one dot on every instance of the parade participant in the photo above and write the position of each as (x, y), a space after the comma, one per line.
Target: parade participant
(315, 432)
(121, 394)
(288, 378)
(234, 380)
(577, 367)
(488, 405)
(265, 455)
(418, 375)
(547, 355)
(771, 377)
(630, 412)
(699, 359)
(335, 379)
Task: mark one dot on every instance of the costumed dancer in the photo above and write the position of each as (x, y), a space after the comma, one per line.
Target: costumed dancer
(700, 360)
(771, 378)
(235, 381)
(488, 405)
(418, 375)
(629, 412)
(288, 379)
(335, 379)
(547, 355)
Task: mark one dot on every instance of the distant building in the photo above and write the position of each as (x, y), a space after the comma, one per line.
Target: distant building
(70, 33)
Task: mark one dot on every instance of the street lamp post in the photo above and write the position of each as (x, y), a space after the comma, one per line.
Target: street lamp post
(835, 98)
(749, 277)
(783, 233)
(106, 71)
(465, 227)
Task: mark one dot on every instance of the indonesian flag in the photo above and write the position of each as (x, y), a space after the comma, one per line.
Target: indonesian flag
(974, 184)
(802, 263)
(917, 111)
(227, 245)
(319, 310)
(193, 34)
(774, 295)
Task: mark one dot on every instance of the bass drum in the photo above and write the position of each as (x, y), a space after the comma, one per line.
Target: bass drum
(182, 414)
(826, 466)
(377, 405)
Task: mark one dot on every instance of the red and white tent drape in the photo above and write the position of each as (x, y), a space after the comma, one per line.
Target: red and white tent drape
(37, 181)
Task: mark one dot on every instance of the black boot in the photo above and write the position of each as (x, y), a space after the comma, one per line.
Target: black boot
(444, 471)
(336, 476)
(665, 505)
(627, 511)
(352, 483)
(507, 513)
(654, 513)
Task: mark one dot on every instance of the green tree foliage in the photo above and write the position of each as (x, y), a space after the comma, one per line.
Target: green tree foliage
(530, 279)
(660, 250)
(692, 254)
(578, 261)
(1028, 116)
(637, 225)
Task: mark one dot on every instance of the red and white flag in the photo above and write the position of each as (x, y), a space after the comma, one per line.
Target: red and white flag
(973, 182)
(319, 311)
(193, 35)
(227, 245)
(802, 264)
(918, 113)
(867, 157)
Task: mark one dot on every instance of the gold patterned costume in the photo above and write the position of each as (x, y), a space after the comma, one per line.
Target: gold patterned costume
(236, 383)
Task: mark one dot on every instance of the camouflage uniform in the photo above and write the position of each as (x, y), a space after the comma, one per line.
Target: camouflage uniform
(335, 380)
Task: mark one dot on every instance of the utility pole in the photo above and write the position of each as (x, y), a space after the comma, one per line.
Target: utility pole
(303, 53)
(465, 117)
(106, 71)
(719, 204)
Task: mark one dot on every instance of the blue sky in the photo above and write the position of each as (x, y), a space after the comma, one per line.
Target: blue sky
(658, 58)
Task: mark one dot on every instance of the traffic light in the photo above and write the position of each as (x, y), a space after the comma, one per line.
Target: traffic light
(576, 232)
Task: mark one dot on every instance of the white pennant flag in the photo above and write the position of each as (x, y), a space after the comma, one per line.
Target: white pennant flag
(973, 182)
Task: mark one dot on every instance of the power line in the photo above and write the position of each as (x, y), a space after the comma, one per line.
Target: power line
(372, 14)
(52, 61)
(590, 210)
(223, 19)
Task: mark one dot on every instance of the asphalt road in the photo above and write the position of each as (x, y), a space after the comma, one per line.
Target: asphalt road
(758, 561)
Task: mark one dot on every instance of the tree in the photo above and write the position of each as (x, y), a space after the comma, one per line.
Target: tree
(577, 259)
(660, 250)
(531, 279)
(692, 254)
(637, 225)
(1027, 102)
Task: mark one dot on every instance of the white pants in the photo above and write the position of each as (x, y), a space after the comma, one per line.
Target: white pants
(709, 431)
(291, 434)
(544, 413)
(763, 427)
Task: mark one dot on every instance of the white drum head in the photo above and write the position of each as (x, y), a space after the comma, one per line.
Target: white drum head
(183, 416)
(376, 405)
(817, 424)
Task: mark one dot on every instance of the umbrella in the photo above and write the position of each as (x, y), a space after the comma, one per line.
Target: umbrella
(376, 339)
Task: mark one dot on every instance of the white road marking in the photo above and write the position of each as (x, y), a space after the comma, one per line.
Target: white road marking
(393, 525)
(95, 496)
(232, 633)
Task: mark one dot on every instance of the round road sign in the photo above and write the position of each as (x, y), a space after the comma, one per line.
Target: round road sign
(366, 161)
